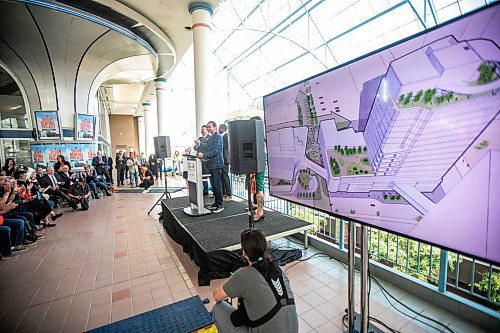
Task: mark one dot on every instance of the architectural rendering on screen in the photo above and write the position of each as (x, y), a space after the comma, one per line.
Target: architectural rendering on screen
(407, 139)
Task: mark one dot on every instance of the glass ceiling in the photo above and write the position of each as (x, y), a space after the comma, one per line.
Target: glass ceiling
(264, 45)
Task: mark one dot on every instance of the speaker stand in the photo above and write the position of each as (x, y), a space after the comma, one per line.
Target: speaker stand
(251, 222)
(165, 194)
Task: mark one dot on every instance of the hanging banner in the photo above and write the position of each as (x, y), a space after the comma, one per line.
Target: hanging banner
(76, 154)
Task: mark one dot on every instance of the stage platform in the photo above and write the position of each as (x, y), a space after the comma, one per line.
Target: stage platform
(222, 231)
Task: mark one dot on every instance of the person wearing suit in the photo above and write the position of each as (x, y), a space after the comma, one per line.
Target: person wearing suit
(121, 165)
(214, 154)
(109, 167)
(226, 182)
(66, 177)
(100, 163)
(50, 183)
(200, 147)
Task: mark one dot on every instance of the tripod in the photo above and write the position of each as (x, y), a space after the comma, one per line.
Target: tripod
(165, 194)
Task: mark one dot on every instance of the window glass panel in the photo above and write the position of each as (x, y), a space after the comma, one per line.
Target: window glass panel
(19, 150)
(12, 108)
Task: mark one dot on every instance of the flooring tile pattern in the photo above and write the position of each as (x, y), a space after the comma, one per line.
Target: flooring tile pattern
(114, 261)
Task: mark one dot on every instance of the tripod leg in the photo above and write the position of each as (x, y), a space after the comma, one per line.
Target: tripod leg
(157, 201)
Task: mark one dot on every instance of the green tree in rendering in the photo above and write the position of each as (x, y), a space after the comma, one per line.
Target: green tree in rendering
(401, 98)
(486, 73)
(418, 96)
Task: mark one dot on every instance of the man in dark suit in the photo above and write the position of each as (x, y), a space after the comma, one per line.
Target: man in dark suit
(226, 182)
(200, 146)
(214, 154)
(100, 163)
(109, 166)
(66, 177)
(50, 184)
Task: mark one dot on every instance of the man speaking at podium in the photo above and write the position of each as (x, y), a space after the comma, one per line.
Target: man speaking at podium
(213, 153)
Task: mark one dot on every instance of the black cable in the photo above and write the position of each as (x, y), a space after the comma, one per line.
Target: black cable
(384, 292)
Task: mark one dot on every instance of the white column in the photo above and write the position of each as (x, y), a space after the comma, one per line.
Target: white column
(142, 137)
(202, 31)
(161, 107)
(147, 127)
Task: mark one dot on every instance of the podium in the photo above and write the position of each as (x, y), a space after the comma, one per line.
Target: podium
(195, 187)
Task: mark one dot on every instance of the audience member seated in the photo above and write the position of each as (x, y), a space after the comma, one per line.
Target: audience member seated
(9, 167)
(266, 302)
(100, 163)
(147, 178)
(90, 177)
(79, 192)
(30, 202)
(49, 184)
(5, 243)
(66, 176)
(39, 174)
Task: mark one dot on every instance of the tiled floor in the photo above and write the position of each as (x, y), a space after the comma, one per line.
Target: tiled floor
(114, 261)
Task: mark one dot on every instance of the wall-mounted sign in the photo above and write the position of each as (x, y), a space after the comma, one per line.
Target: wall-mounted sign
(47, 125)
(85, 127)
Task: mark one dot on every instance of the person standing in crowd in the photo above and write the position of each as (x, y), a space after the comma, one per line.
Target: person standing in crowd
(132, 166)
(147, 178)
(160, 167)
(109, 167)
(121, 164)
(200, 147)
(176, 163)
(214, 152)
(60, 162)
(9, 167)
(79, 192)
(266, 303)
(99, 163)
(226, 182)
(152, 166)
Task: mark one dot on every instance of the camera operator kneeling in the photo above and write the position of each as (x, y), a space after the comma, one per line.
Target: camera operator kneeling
(79, 192)
(265, 298)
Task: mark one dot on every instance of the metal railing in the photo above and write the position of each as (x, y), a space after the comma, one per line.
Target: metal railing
(470, 278)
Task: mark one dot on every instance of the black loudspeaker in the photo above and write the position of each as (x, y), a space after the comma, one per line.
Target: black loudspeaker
(246, 146)
(162, 146)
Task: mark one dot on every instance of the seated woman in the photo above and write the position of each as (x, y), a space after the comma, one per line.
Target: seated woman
(39, 206)
(266, 301)
(147, 178)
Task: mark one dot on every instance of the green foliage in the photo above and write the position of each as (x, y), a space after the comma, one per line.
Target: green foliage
(418, 96)
(334, 167)
(487, 73)
(428, 95)
(482, 145)
(482, 285)
(401, 98)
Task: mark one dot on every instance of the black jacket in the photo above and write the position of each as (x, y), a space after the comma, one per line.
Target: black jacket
(225, 148)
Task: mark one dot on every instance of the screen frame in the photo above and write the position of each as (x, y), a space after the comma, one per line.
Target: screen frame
(345, 218)
(79, 116)
(38, 114)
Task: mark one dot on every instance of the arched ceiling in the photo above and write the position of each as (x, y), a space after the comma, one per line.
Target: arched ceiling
(78, 45)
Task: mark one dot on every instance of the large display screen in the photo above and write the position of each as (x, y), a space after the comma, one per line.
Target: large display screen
(406, 139)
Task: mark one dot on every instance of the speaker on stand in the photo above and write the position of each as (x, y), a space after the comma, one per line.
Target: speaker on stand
(247, 152)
